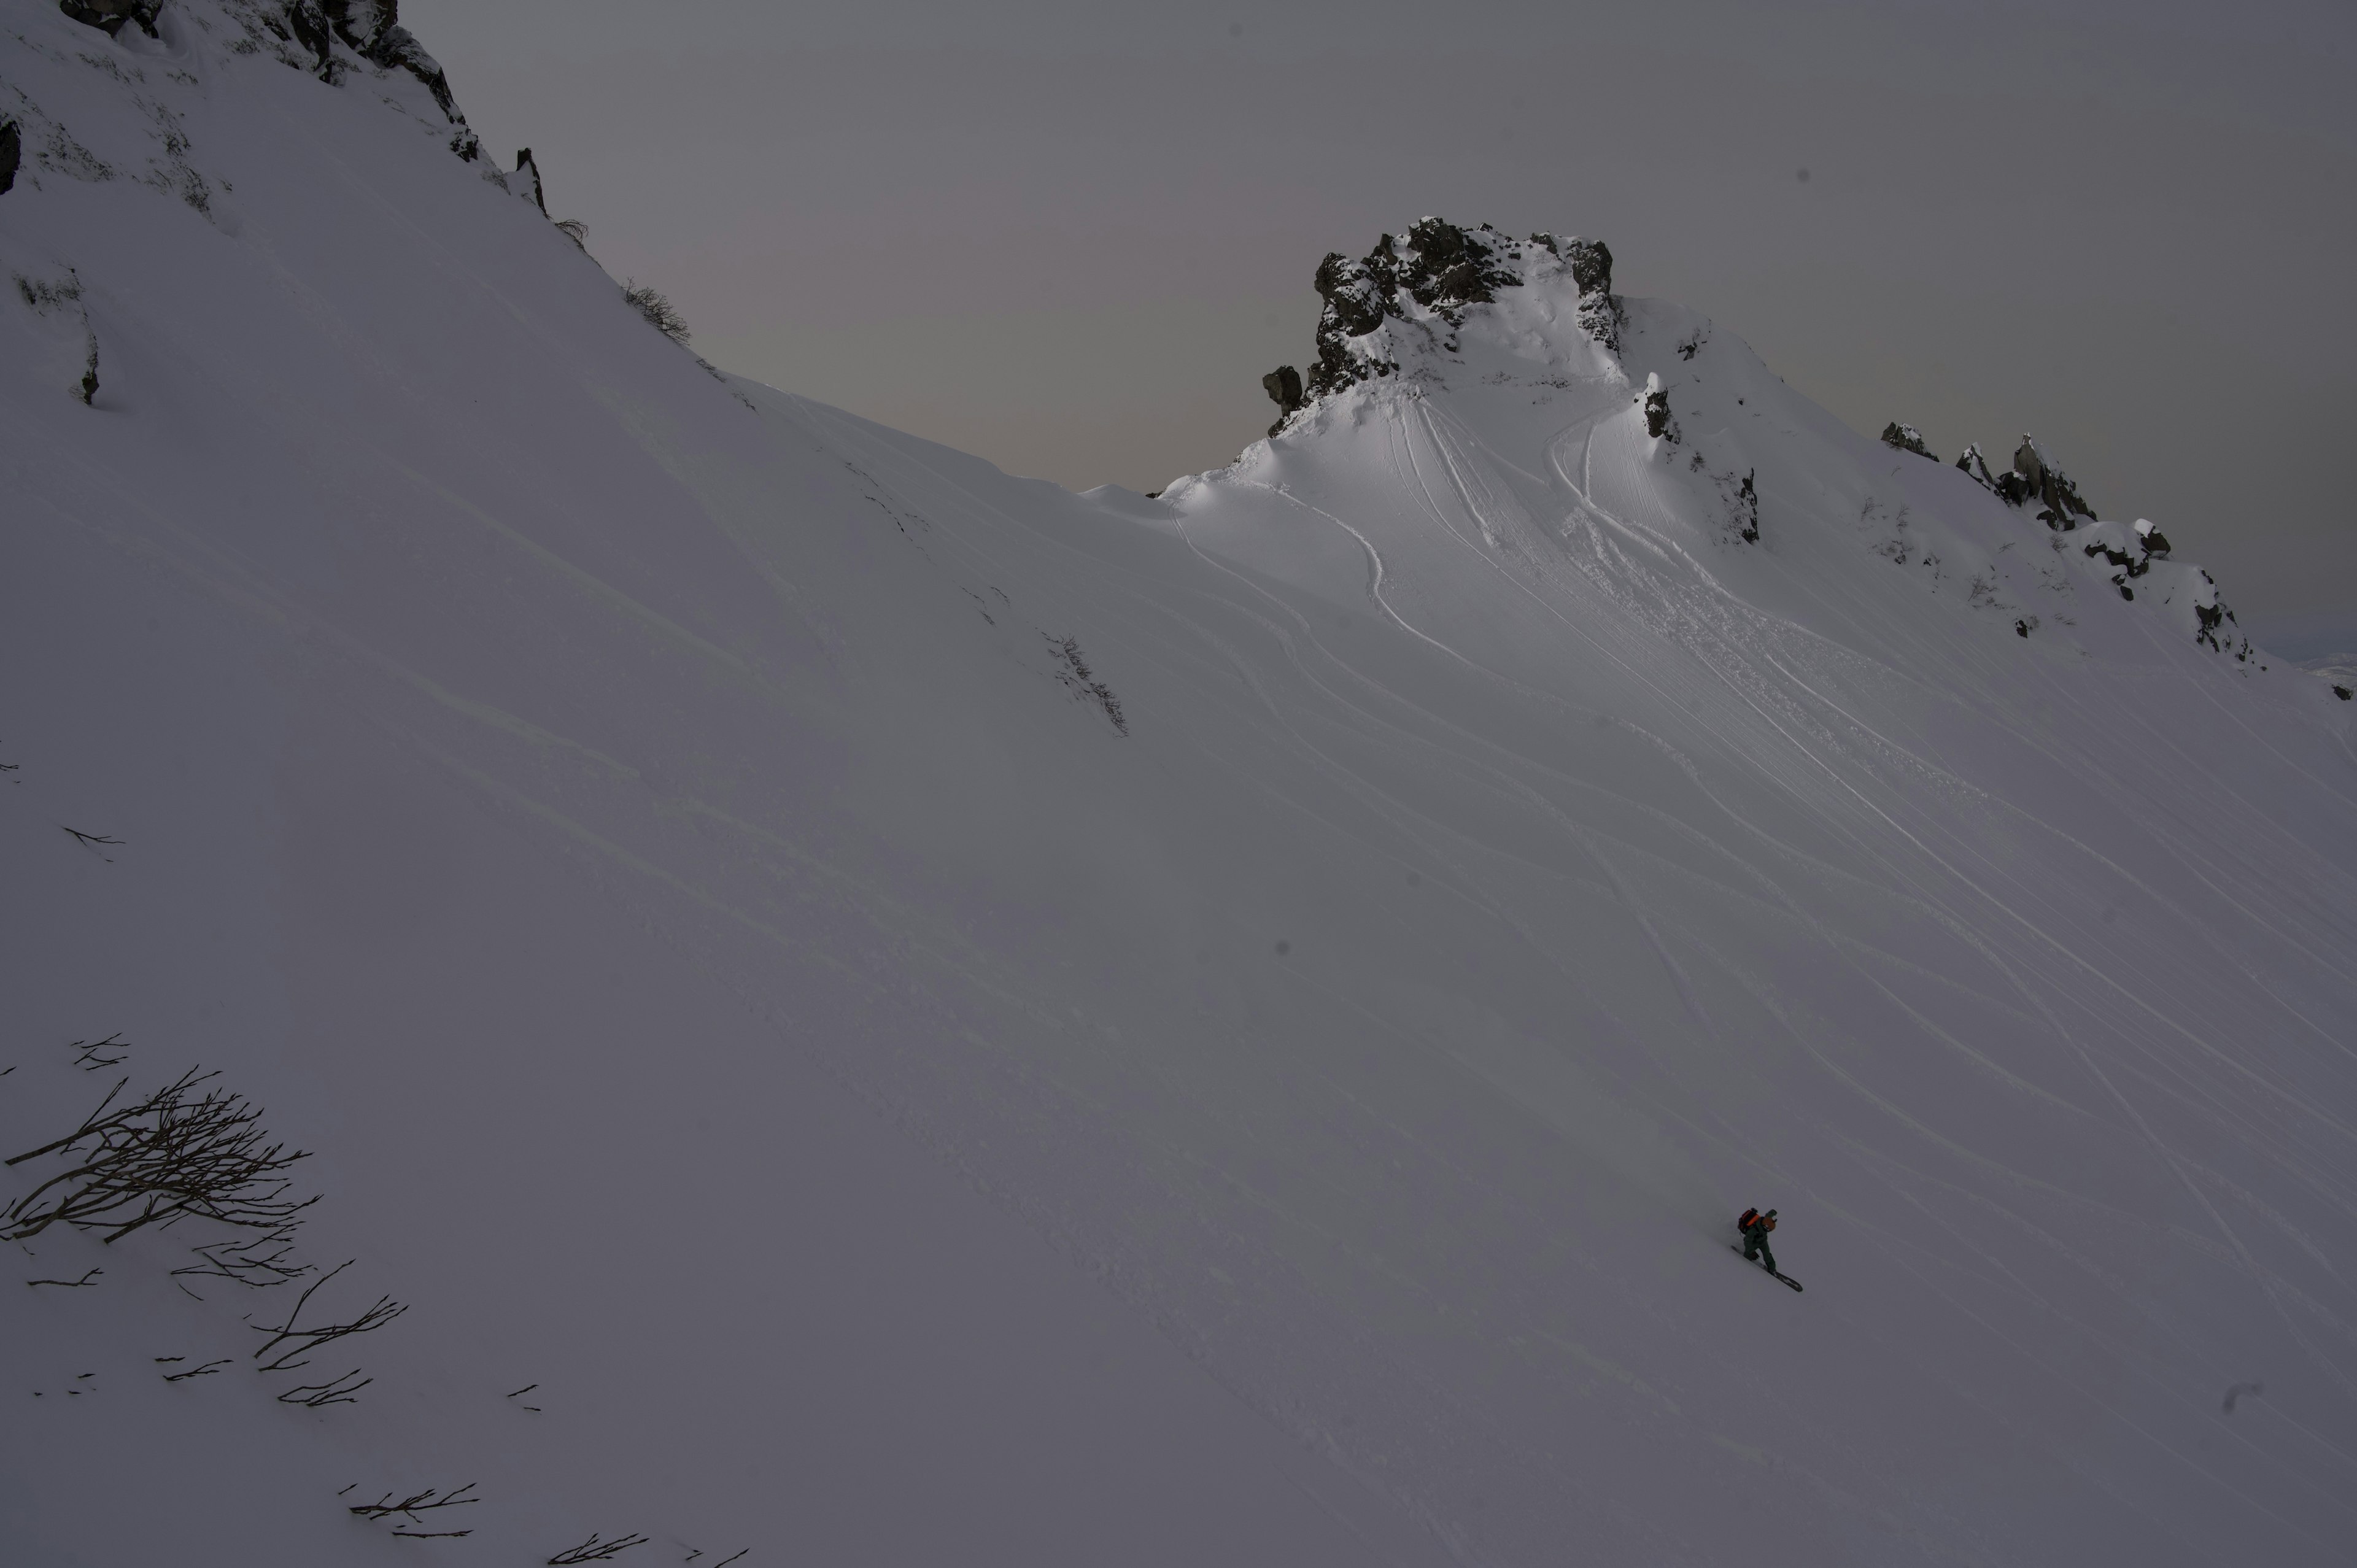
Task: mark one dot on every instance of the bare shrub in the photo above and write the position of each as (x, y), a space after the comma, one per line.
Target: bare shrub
(172, 1154)
(1073, 672)
(661, 313)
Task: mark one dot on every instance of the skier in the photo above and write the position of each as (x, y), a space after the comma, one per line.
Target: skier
(1755, 1226)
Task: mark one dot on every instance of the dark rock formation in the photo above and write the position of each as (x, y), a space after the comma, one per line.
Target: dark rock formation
(1747, 499)
(2032, 478)
(2151, 546)
(1283, 387)
(111, 15)
(1591, 269)
(528, 172)
(1972, 463)
(372, 30)
(1443, 268)
(1658, 423)
(12, 153)
(1907, 438)
(308, 26)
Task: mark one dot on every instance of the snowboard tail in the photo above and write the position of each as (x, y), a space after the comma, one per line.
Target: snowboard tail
(1764, 1268)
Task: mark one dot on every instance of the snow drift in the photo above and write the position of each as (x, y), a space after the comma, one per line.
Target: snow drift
(874, 1011)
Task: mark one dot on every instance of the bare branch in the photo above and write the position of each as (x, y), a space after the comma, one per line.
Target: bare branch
(317, 1396)
(256, 1261)
(409, 1507)
(206, 1371)
(301, 1342)
(70, 1284)
(93, 841)
(90, 1060)
(595, 1551)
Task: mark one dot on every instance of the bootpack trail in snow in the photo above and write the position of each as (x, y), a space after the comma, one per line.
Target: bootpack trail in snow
(1218, 1026)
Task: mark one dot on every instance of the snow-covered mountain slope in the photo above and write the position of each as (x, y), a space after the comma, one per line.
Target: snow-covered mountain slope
(931, 1018)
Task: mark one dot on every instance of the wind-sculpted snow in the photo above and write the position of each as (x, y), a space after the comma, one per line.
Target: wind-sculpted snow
(909, 1016)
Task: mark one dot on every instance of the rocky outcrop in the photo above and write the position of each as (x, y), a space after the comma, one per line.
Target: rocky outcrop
(371, 30)
(1282, 385)
(1591, 269)
(1973, 464)
(110, 16)
(2134, 556)
(1444, 270)
(1656, 399)
(12, 153)
(528, 172)
(2032, 478)
(1907, 438)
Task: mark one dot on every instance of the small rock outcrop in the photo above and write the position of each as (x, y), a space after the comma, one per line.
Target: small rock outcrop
(1907, 438)
(1656, 399)
(12, 153)
(1443, 268)
(1282, 385)
(2146, 546)
(110, 16)
(2032, 478)
(528, 172)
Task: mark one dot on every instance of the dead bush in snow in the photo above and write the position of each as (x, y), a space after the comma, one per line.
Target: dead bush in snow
(661, 313)
(175, 1154)
(1072, 671)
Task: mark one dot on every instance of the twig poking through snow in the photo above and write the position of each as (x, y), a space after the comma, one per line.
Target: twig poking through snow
(595, 1551)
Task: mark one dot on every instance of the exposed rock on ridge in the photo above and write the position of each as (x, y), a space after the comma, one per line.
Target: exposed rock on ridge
(2033, 476)
(1442, 271)
(370, 31)
(1282, 385)
(1906, 438)
(109, 16)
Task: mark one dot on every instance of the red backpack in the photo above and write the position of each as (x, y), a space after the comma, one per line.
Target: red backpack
(1745, 1222)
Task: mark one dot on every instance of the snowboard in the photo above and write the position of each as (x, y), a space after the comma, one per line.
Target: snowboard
(1773, 1274)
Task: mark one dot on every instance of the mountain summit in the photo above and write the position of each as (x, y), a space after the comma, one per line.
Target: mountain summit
(837, 1005)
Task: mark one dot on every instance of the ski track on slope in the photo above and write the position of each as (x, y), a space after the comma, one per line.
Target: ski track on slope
(2268, 1282)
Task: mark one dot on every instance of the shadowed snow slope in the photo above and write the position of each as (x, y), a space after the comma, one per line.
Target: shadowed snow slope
(941, 1020)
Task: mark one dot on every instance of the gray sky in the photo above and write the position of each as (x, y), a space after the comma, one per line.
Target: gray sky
(1072, 236)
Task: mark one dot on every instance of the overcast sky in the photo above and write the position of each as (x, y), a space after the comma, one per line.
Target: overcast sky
(1071, 237)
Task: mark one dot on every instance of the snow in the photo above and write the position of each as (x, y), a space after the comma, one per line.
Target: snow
(660, 854)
